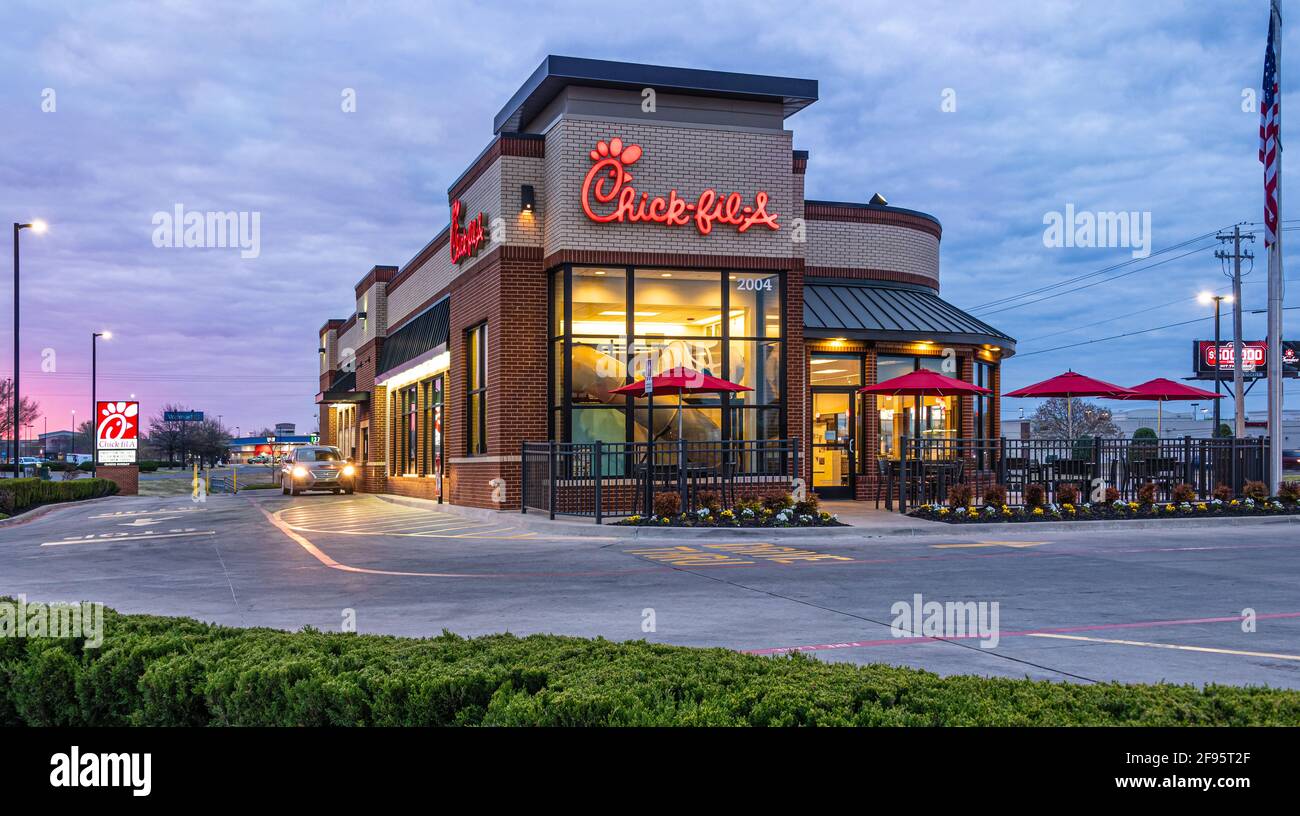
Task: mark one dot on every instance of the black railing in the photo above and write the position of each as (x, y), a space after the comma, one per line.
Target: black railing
(931, 466)
(599, 479)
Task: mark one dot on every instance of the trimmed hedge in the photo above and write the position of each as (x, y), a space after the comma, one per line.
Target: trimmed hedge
(17, 495)
(177, 671)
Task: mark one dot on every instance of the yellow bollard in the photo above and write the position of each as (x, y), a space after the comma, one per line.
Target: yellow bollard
(234, 479)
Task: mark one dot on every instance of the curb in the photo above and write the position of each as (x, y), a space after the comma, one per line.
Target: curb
(45, 509)
(930, 528)
(540, 524)
(1130, 524)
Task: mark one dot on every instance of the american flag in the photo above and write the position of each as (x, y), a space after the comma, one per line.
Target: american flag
(1268, 130)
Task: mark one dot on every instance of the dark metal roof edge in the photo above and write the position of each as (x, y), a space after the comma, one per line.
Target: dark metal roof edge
(557, 72)
(878, 207)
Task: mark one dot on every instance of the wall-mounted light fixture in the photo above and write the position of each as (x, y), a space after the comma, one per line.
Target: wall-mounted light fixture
(527, 198)
(361, 315)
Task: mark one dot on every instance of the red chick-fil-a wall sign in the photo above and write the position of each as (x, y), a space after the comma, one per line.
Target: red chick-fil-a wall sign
(466, 240)
(608, 196)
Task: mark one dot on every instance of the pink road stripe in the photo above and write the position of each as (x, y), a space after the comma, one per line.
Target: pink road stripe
(903, 641)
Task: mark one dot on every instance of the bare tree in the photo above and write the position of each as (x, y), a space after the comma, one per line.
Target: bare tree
(27, 414)
(1051, 421)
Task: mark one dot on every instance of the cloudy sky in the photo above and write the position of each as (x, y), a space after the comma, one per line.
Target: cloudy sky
(224, 105)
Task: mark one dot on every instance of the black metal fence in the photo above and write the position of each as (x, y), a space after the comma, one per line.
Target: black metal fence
(599, 479)
(931, 466)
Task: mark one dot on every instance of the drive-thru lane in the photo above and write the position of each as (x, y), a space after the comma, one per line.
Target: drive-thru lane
(1093, 605)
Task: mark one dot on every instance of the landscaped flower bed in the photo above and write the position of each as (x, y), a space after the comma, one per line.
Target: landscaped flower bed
(775, 509)
(961, 510)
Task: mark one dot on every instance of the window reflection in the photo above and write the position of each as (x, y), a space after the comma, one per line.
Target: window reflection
(678, 320)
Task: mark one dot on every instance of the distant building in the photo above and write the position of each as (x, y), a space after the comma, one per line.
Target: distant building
(285, 429)
(58, 443)
(1175, 423)
(244, 448)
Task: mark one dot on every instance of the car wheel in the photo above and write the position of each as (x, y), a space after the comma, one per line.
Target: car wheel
(347, 490)
(284, 489)
(336, 491)
(293, 491)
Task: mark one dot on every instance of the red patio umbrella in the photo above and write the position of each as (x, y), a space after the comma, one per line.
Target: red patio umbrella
(680, 380)
(923, 383)
(1162, 390)
(1070, 385)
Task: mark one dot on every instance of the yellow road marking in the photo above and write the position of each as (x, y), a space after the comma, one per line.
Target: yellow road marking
(1208, 649)
(731, 554)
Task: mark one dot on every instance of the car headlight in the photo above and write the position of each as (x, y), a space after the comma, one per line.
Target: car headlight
(348, 470)
(300, 472)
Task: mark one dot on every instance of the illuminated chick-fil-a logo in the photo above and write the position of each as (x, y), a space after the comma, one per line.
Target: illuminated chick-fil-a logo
(466, 240)
(608, 196)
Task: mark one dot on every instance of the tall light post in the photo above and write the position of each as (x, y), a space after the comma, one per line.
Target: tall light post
(94, 403)
(1205, 299)
(37, 227)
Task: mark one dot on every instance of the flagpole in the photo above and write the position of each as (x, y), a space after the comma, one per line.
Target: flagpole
(1275, 291)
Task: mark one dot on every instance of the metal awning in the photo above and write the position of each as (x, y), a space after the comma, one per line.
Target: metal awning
(343, 389)
(893, 311)
(421, 334)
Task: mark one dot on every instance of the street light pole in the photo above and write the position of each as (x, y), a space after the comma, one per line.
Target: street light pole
(1206, 298)
(94, 399)
(37, 227)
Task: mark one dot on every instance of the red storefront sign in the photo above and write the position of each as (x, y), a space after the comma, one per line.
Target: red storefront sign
(117, 425)
(466, 240)
(608, 196)
(1254, 355)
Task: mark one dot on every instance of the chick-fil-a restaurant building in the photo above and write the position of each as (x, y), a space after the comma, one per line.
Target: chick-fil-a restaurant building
(625, 219)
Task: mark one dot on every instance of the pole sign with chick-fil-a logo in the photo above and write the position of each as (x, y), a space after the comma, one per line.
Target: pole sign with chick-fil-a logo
(466, 240)
(117, 431)
(608, 196)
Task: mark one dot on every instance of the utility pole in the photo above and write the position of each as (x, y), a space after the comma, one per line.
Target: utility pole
(1238, 391)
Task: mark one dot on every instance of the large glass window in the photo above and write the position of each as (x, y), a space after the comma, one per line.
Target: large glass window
(476, 390)
(623, 323)
(433, 401)
(925, 417)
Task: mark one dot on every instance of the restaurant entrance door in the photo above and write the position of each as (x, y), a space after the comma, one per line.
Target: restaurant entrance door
(834, 448)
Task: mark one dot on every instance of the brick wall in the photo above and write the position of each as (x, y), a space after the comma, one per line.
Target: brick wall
(874, 246)
(126, 477)
(687, 159)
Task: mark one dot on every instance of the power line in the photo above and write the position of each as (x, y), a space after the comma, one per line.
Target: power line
(1094, 273)
(1098, 282)
(1115, 336)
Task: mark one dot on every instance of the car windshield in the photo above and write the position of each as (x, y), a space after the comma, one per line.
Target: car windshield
(318, 455)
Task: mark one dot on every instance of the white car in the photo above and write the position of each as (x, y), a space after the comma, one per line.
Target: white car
(28, 461)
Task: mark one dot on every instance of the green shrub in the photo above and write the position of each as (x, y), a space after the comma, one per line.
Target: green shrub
(810, 505)
(153, 671)
(17, 495)
(85, 467)
(1145, 445)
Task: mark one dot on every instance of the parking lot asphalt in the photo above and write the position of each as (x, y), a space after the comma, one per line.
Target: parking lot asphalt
(1091, 605)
